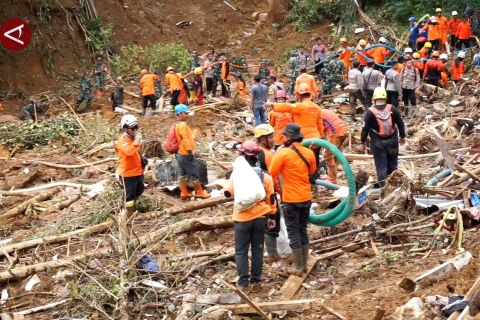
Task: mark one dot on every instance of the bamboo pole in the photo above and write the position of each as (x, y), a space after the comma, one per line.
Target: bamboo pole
(74, 166)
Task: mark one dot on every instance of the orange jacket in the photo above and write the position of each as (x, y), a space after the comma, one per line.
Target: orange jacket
(129, 160)
(378, 54)
(295, 173)
(147, 83)
(279, 120)
(443, 26)
(310, 81)
(345, 57)
(184, 138)
(424, 53)
(183, 96)
(399, 67)
(458, 70)
(242, 88)
(434, 32)
(307, 115)
(173, 81)
(360, 58)
(225, 70)
(419, 65)
(332, 124)
(432, 65)
(453, 26)
(260, 208)
(464, 31)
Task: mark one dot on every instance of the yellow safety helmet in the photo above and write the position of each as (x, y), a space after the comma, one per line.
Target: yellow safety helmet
(362, 42)
(416, 55)
(343, 40)
(303, 88)
(438, 10)
(263, 130)
(379, 93)
(198, 70)
(428, 45)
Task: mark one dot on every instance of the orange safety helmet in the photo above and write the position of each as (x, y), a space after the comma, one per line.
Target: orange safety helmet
(303, 88)
(143, 72)
(435, 54)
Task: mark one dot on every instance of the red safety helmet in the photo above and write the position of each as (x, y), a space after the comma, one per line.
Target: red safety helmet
(280, 94)
(249, 147)
(421, 39)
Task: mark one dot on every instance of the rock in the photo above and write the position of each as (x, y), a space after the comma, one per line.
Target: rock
(439, 108)
(220, 314)
(230, 299)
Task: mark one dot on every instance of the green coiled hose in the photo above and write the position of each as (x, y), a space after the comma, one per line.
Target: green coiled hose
(345, 208)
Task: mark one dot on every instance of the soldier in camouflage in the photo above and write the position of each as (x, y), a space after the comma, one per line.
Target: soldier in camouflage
(99, 69)
(217, 74)
(332, 74)
(264, 71)
(35, 110)
(158, 86)
(294, 64)
(195, 60)
(85, 93)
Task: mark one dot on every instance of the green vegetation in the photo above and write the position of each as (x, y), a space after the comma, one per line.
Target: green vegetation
(134, 58)
(99, 35)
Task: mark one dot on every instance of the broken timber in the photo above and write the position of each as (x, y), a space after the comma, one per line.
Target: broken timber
(288, 305)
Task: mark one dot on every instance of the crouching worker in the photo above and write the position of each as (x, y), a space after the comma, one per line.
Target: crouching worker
(185, 156)
(130, 163)
(295, 163)
(250, 221)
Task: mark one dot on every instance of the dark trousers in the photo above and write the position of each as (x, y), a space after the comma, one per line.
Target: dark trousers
(274, 231)
(435, 44)
(225, 88)
(353, 96)
(134, 187)
(296, 218)
(433, 81)
(368, 98)
(149, 98)
(409, 97)
(463, 42)
(215, 82)
(175, 95)
(453, 41)
(385, 156)
(318, 67)
(209, 84)
(249, 235)
(188, 166)
(392, 98)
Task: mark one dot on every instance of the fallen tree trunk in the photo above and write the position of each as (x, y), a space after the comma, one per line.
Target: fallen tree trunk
(290, 305)
(19, 209)
(23, 192)
(74, 166)
(64, 204)
(352, 156)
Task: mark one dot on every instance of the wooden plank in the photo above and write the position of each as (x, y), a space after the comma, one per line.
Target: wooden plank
(247, 299)
(289, 305)
(471, 295)
(293, 283)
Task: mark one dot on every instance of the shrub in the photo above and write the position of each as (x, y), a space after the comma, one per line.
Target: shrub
(99, 35)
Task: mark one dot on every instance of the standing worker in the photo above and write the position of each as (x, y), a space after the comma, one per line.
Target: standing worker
(198, 85)
(452, 29)
(443, 27)
(332, 74)
(410, 78)
(303, 57)
(431, 72)
(417, 63)
(464, 34)
(458, 67)
(362, 54)
(371, 79)
(378, 54)
(295, 163)
(393, 85)
(383, 124)
(355, 88)
(434, 33)
(99, 70)
(259, 94)
(279, 120)
(264, 71)
(250, 224)
(319, 53)
(337, 133)
(294, 66)
(157, 85)
(117, 94)
(174, 86)
(85, 93)
(309, 80)
(225, 76)
(187, 162)
(444, 74)
(147, 84)
(209, 73)
(130, 163)
(345, 54)
(241, 86)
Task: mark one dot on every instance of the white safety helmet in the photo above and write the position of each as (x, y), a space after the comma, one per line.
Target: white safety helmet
(382, 40)
(408, 50)
(433, 19)
(444, 56)
(454, 13)
(461, 54)
(129, 121)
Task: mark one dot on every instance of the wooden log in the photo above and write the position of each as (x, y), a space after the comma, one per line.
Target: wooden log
(471, 295)
(45, 307)
(64, 204)
(192, 206)
(352, 156)
(19, 209)
(247, 299)
(278, 306)
(22, 192)
(470, 173)
(74, 166)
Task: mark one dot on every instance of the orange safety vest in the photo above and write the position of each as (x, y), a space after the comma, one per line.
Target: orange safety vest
(464, 31)
(384, 120)
(458, 70)
(453, 26)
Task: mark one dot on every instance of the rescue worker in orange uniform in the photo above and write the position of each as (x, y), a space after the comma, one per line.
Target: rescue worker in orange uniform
(174, 86)
(378, 54)
(337, 132)
(225, 76)
(241, 86)
(308, 79)
(344, 54)
(147, 84)
(250, 224)
(130, 162)
(434, 33)
(198, 85)
(295, 163)
(362, 49)
(452, 29)
(444, 74)
(458, 67)
(464, 34)
(279, 120)
(443, 26)
(431, 72)
(419, 64)
(426, 51)
(185, 157)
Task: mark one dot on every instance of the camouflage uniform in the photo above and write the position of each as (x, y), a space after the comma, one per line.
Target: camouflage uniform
(99, 71)
(195, 60)
(31, 107)
(217, 75)
(85, 93)
(294, 64)
(331, 75)
(158, 86)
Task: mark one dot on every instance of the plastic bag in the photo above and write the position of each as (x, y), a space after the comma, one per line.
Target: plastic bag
(247, 186)
(283, 243)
